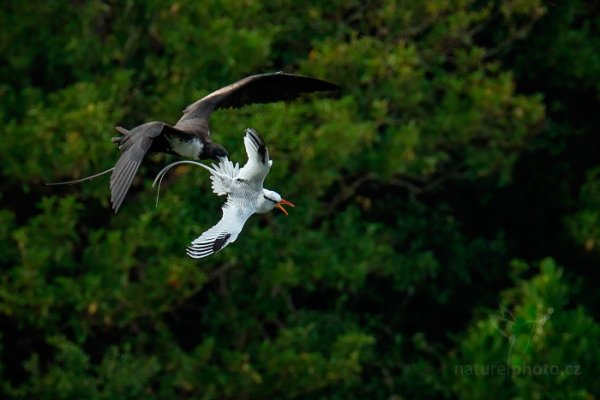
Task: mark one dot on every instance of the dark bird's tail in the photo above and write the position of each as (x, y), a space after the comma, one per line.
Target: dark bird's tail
(124, 132)
(87, 178)
(116, 139)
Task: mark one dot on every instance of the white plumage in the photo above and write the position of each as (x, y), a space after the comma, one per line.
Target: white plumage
(245, 195)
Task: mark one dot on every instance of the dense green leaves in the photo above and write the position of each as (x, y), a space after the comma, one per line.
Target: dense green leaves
(461, 152)
(546, 348)
(584, 224)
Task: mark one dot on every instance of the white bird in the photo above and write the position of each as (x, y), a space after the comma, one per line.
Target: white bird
(245, 195)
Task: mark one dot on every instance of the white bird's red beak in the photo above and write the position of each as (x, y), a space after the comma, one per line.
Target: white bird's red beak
(282, 203)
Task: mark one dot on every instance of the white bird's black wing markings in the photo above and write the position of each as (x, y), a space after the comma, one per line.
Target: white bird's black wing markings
(259, 163)
(262, 88)
(209, 246)
(223, 233)
(134, 145)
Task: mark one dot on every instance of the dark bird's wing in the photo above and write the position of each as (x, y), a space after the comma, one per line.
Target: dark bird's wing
(264, 88)
(134, 145)
(258, 165)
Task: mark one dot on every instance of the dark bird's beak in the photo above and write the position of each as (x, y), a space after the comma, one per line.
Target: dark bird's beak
(282, 203)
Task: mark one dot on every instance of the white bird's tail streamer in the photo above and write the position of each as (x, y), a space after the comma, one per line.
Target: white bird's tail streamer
(225, 170)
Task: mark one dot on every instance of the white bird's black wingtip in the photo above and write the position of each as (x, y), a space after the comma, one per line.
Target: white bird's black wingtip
(209, 247)
(259, 143)
(255, 137)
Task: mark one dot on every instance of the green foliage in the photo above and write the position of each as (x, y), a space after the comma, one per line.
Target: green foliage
(73, 376)
(584, 224)
(539, 347)
(456, 146)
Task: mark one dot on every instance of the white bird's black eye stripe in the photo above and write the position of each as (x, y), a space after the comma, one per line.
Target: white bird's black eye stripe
(269, 199)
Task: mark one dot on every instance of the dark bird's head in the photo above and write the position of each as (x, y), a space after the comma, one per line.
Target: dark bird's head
(214, 151)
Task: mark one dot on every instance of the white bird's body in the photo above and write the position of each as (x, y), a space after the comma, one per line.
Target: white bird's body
(245, 195)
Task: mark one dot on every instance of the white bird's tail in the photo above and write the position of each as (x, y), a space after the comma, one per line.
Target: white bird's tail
(222, 175)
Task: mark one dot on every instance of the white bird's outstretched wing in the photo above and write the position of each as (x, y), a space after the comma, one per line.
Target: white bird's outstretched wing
(224, 232)
(259, 164)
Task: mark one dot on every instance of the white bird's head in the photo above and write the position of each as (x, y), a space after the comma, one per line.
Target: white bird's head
(271, 200)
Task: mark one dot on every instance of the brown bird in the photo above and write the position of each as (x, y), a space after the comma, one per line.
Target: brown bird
(190, 137)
